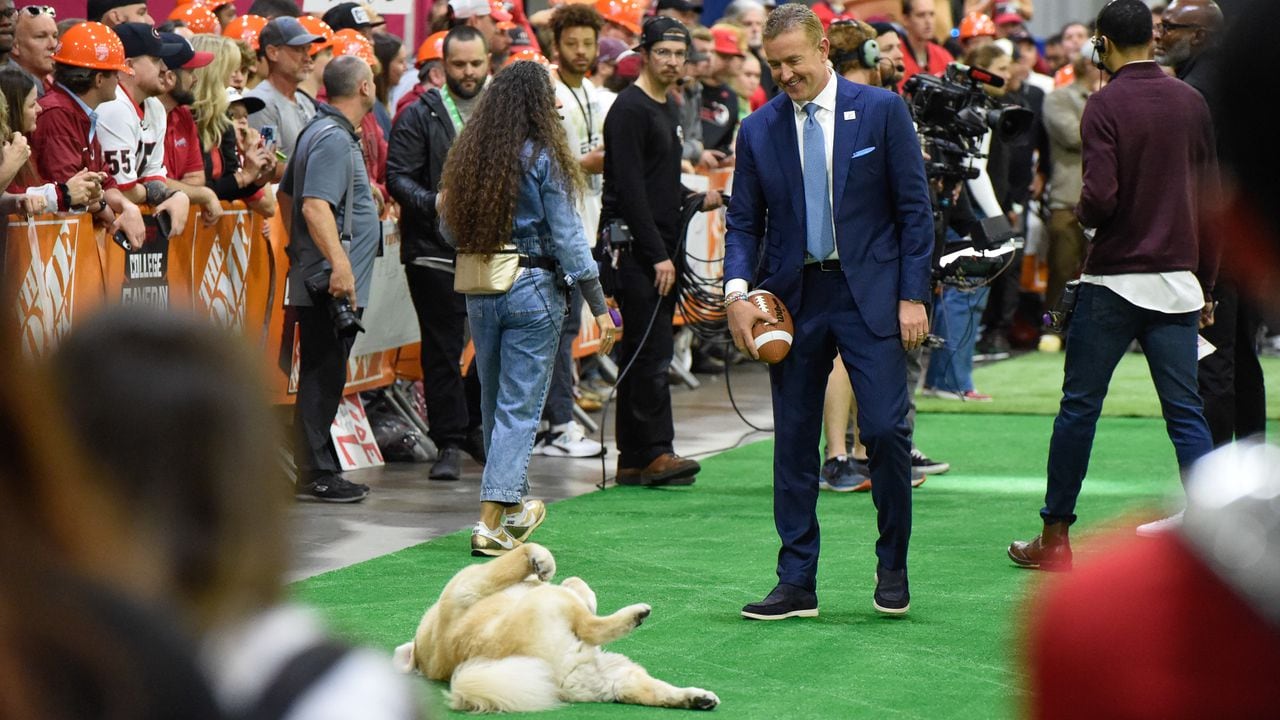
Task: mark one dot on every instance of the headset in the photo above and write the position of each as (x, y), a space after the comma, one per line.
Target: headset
(1097, 48)
(867, 53)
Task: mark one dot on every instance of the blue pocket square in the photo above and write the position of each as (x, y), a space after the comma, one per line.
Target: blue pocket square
(863, 151)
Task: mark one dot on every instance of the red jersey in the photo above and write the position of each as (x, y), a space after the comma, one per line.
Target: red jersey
(936, 63)
(182, 151)
(61, 143)
(409, 97)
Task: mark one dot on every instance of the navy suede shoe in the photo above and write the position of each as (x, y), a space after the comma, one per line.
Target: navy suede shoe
(786, 601)
(892, 596)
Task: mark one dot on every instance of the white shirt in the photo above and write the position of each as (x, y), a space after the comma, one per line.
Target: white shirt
(132, 139)
(1167, 292)
(826, 117)
(582, 116)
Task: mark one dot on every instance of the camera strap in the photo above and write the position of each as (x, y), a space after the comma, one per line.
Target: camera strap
(303, 157)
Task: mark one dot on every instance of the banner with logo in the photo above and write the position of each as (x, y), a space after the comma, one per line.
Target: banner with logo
(53, 271)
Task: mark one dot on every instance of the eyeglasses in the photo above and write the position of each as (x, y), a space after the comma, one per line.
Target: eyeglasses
(667, 54)
(1167, 26)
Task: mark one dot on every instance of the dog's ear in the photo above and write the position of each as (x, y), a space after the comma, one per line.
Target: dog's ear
(403, 659)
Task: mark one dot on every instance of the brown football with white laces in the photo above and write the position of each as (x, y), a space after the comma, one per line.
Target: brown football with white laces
(772, 342)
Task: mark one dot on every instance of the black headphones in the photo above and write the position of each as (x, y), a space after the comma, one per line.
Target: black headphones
(1097, 48)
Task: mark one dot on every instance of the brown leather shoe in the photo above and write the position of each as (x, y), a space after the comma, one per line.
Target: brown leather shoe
(666, 469)
(1050, 550)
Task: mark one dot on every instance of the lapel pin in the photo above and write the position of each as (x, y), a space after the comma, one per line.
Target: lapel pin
(850, 115)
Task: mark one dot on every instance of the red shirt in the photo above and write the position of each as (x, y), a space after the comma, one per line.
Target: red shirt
(375, 151)
(61, 143)
(182, 153)
(409, 97)
(936, 63)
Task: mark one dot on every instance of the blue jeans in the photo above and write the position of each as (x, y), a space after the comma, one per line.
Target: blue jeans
(956, 317)
(515, 335)
(1100, 332)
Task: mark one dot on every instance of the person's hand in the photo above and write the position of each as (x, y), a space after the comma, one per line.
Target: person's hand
(253, 160)
(378, 199)
(15, 154)
(1038, 185)
(664, 276)
(85, 188)
(913, 322)
(712, 200)
(130, 221)
(608, 333)
(30, 204)
(211, 212)
(710, 159)
(1206, 313)
(247, 138)
(178, 205)
(342, 282)
(593, 162)
(743, 315)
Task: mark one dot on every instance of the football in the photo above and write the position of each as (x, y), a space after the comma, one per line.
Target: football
(773, 342)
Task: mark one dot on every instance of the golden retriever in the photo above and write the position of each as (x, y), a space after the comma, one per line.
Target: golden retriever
(508, 640)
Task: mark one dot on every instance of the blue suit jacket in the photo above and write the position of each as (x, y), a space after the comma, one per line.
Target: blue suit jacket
(882, 211)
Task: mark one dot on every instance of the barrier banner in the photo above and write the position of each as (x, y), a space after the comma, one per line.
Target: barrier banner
(230, 276)
(353, 437)
(54, 272)
(389, 318)
(146, 270)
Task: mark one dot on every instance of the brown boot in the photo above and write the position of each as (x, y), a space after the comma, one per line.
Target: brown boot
(1050, 550)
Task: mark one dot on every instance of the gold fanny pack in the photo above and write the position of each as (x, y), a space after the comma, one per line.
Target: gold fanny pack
(475, 274)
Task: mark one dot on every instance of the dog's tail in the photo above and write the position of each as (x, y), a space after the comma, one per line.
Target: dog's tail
(512, 684)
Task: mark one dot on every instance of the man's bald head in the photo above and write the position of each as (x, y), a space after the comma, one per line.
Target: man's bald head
(1187, 29)
(1200, 13)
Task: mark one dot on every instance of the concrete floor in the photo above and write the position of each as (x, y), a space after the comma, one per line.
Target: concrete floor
(405, 508)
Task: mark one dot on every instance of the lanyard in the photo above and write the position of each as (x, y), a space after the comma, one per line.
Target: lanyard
(586, 111)
(454, 116)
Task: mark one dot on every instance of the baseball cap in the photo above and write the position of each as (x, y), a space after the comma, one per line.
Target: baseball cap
(251, 103)
(1009, 18)
(679, 6)
(463, 9)
(610, 49)
(188, 58)
(660, 28)
(285, 30)
(883, 27)
(726, 41)
(629, 64)
(350, 15)
(142, 39)
(95, 9)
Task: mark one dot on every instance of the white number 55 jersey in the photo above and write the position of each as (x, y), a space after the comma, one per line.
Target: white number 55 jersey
(132, 140)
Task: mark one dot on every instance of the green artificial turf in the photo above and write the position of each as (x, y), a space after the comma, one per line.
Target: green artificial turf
(698, 554)
(1031, 384)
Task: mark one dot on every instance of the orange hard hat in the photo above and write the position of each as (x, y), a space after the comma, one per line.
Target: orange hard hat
(316, 26)
(91, 45)
(431, 49)
(246, 28)
(527, 54)
(621, 12)
(975, 24)
(199, 18)
(353, 42)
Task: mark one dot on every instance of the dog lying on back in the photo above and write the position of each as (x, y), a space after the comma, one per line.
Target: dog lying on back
(509, 641)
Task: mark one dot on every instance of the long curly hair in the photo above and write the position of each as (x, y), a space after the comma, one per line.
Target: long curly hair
(483, 170)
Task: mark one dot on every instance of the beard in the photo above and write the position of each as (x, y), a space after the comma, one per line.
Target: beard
(182, 96)
(456, 88)
(1174, 55)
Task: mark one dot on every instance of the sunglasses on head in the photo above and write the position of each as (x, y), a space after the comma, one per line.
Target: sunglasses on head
(32, 10)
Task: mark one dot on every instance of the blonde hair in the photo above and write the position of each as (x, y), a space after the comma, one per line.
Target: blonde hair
(792, 16)
(6, 132)
(210, 89)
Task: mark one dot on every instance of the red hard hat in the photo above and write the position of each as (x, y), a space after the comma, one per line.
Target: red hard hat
(975, 24)
(431, 49)
(92, 45)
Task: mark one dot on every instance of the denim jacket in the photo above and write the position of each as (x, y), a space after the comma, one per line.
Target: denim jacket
(547, 222)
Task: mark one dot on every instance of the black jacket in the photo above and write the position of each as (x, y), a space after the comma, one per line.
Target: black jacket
(420, 140)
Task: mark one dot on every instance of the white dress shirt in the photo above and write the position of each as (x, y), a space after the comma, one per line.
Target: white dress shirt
(826, 117)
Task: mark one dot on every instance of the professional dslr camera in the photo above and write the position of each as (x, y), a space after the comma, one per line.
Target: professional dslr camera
(345, 321)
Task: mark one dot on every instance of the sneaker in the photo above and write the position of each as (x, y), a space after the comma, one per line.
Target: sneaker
(926, 466)
(474, 445)
(1159, 527)
(569, 440)
(844, 474)
(491, 543)
(522, 524)
(448, 466)
(334, 489)
(784, 601)
(997, 348)
(892, 596)
(1050, 343)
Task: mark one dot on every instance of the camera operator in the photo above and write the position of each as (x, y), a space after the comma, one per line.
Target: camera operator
(325, 191)
(642, 189)
(1148, 147)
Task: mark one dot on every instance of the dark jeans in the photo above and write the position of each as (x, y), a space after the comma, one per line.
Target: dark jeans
(453, 403)
(559, 406)
(644, 424)
(1103, 326)
(321, 376)
(1231, 383)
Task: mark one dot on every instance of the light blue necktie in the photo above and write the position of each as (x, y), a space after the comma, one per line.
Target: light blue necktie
(821, 241)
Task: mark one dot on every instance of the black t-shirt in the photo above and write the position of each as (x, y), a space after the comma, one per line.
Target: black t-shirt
(642, 172)
(719, 117)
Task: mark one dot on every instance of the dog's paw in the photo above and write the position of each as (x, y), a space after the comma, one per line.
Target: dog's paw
(639, 612)
(541, 563)
(700, 699)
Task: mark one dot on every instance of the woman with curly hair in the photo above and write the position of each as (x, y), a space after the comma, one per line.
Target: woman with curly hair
(511, 180)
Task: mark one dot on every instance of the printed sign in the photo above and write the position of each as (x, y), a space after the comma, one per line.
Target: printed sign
(353, 437)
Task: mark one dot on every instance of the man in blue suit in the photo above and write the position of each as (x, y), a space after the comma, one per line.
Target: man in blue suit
(830, 177)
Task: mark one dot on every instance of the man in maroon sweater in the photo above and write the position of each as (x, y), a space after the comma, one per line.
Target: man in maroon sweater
(1147, 147)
